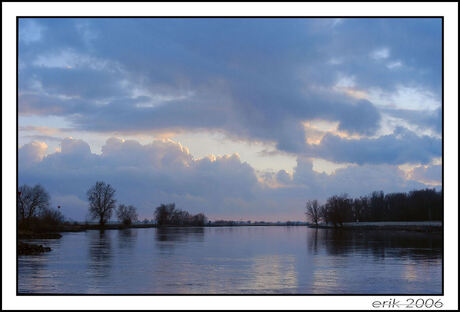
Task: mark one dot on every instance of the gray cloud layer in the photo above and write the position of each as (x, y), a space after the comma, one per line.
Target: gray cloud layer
(254, 79)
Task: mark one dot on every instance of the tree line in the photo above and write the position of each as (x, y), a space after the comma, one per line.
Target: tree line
(417, 205)
(170, 215)
(35, 212)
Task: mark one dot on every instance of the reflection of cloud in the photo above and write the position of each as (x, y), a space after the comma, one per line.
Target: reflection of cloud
(273, 273)
(410, 272)
(324, 281)
(32, 269)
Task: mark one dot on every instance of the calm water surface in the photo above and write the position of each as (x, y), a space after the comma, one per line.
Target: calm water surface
(235, 260)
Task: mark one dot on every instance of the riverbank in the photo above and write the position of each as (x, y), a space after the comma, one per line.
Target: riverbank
(53, 232)
(31, 249)
(418, 226)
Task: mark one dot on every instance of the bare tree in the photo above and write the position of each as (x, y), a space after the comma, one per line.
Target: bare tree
(199, 219)
(101, 201)
(126, 214)
(31, 201)
(324, 213)
(313, 211)
(339, 209)
(164, 214)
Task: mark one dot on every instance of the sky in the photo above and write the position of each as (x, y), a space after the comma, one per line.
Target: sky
(242, 119)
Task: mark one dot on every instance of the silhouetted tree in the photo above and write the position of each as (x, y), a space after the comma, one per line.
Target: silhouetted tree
(313, 211)
(102, 201)
(199, 219)
(359, 208)
(418, 205)
(126, 214)
(49, 217)
(339, 209)
(180, 217)
(169, 215)
(324, 213)
(163, 214)
(31, 200)
(377, 203)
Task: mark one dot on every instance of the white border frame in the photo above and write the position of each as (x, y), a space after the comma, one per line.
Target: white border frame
(11, 10)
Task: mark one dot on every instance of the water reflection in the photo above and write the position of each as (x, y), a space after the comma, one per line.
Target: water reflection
(100, 253)
(178, 234)
(272, 273)
(324, 280)
(127, 238)
(236, 260)
(312, 241)
(379, 244)
(34, 269)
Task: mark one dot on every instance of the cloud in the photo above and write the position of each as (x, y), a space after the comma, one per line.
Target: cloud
(246, 77)
(409, 98)
(80, 83)
(75, 147)
(354, 180)
(31, 153)
(161, 171)
(401, 147)
(164, 171)
(29, 31)
(394, 65)
(40, 129)
(380, 54)
(262, 81)
(431, 175)
(43, 138)
(426, 119)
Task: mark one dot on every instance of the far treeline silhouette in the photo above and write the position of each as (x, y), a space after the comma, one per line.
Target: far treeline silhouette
(169, 215)
(421, 205)
(35, 213)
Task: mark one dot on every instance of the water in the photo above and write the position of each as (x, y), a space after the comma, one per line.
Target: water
(235, 260)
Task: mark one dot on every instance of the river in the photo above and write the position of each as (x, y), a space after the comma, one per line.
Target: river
(235, 260)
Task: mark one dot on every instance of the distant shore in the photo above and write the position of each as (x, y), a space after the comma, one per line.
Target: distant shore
(114, 226)
(418, 226)
(426, 226)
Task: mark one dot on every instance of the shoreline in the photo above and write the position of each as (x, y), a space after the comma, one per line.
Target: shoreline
(416, 226)
(428, 226)
(28, 248)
